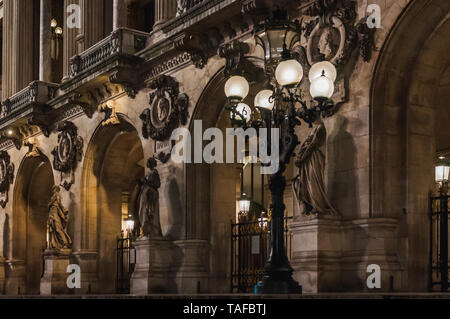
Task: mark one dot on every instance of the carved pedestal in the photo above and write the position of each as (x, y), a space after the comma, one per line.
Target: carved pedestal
(87, 260)
(316, 253)
(192, 275)
(152, 273)
(54, 281)
(15, 277)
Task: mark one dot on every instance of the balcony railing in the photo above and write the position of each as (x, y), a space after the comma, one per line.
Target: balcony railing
(188, 4)
(37, 93)
(120, 42)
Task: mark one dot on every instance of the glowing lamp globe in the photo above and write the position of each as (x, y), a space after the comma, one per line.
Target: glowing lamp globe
(129, 223)
(244, 110)
(323, 68)
(236, 88)
(264, 100)
(322, 88)
(289, 73)
(442, 173)
(244, 204)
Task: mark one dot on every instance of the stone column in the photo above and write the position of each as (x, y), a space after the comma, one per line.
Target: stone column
(69, 40)
(18, 46)
(119, 14)
(93, 28)
(164, 11)
(45, 38)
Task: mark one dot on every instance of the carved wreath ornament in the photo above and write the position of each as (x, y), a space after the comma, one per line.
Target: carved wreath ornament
(168, 109)
(70, 148)
(6, 176)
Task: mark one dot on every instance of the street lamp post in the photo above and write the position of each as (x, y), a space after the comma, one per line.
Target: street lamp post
(277, 106)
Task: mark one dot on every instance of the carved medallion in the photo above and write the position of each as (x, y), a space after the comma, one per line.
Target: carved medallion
(6, 177)
(168, 109)
(68, 152)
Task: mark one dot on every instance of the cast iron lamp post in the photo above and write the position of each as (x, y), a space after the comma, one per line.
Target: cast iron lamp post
(277, 106)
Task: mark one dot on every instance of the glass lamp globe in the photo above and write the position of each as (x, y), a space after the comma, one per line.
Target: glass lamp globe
(237, 88)
(322, 88)
(322, 68)
(442, 173)
(244, 110)
(244, 204)
(129, 223)
(289, 73)
(263, 100)
(58, 30)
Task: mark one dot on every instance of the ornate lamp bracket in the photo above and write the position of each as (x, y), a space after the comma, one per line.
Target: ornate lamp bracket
(68, 153)
(234, 54)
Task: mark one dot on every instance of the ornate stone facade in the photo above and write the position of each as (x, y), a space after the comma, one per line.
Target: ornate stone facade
(123, 91)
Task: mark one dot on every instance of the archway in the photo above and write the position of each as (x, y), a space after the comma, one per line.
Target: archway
(408, 74)
(114, 162)
(32, 192)
(212, 189)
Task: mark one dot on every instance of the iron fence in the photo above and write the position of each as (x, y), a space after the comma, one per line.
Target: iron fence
(126, 260)
(250, 249)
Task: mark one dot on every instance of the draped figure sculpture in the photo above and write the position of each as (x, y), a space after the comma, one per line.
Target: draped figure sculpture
(308, 185)
(57, 222)
(148, 202)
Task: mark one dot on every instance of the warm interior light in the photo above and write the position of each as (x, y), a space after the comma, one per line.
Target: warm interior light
(289, 73)
(129, 223)
(244, 204)
(10, 132)
(53, 23)
(237, 87)
(263, 220)
(244, 110)
(323, 68)
(58, 30)
(322, 87)
(263, 99)
(442, 173)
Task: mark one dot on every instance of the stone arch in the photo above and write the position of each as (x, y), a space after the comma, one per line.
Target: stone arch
(32, 192)
(114, 161)
(402, 120)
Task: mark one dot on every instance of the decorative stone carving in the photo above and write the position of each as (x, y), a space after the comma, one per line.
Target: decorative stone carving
(234, 55)
(58, 218)
(168, 109)
(68, 152)
(197, 45)
(308, 185)
(6, 177)
(111, 117)
(333, 35)
(33, 149)
(148, 202)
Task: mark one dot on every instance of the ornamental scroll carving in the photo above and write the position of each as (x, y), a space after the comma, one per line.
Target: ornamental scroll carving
(168, 109)
(6, 177)
(68, 152)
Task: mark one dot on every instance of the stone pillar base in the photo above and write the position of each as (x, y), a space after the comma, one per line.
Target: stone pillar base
(15, 277)
(87, 260)
(54, 281)
(153, 267)
(316, 253)
(192, 276)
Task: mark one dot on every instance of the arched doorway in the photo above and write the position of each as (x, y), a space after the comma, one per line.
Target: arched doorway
(32, 192)
(404, 129)
(213, 189)
(114, 162)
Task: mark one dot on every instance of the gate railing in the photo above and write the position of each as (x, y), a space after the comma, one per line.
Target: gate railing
(126, 260)
(439, 215)
(250, 249)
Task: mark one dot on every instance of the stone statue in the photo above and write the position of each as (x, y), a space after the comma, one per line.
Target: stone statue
(57, 222)
(308, 185)
(181, 6)
(148, 201)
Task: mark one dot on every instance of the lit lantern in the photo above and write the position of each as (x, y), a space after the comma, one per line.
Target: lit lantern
(265, 100)
(263, 220)
(244, 204)
(236, 88)
(289, 73)
(129, 224)
(322, 88)
(442, 172)
(244, 110)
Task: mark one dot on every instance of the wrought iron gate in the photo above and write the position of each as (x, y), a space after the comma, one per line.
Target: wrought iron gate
(126, 260)
(250, 249)
(439, 214)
